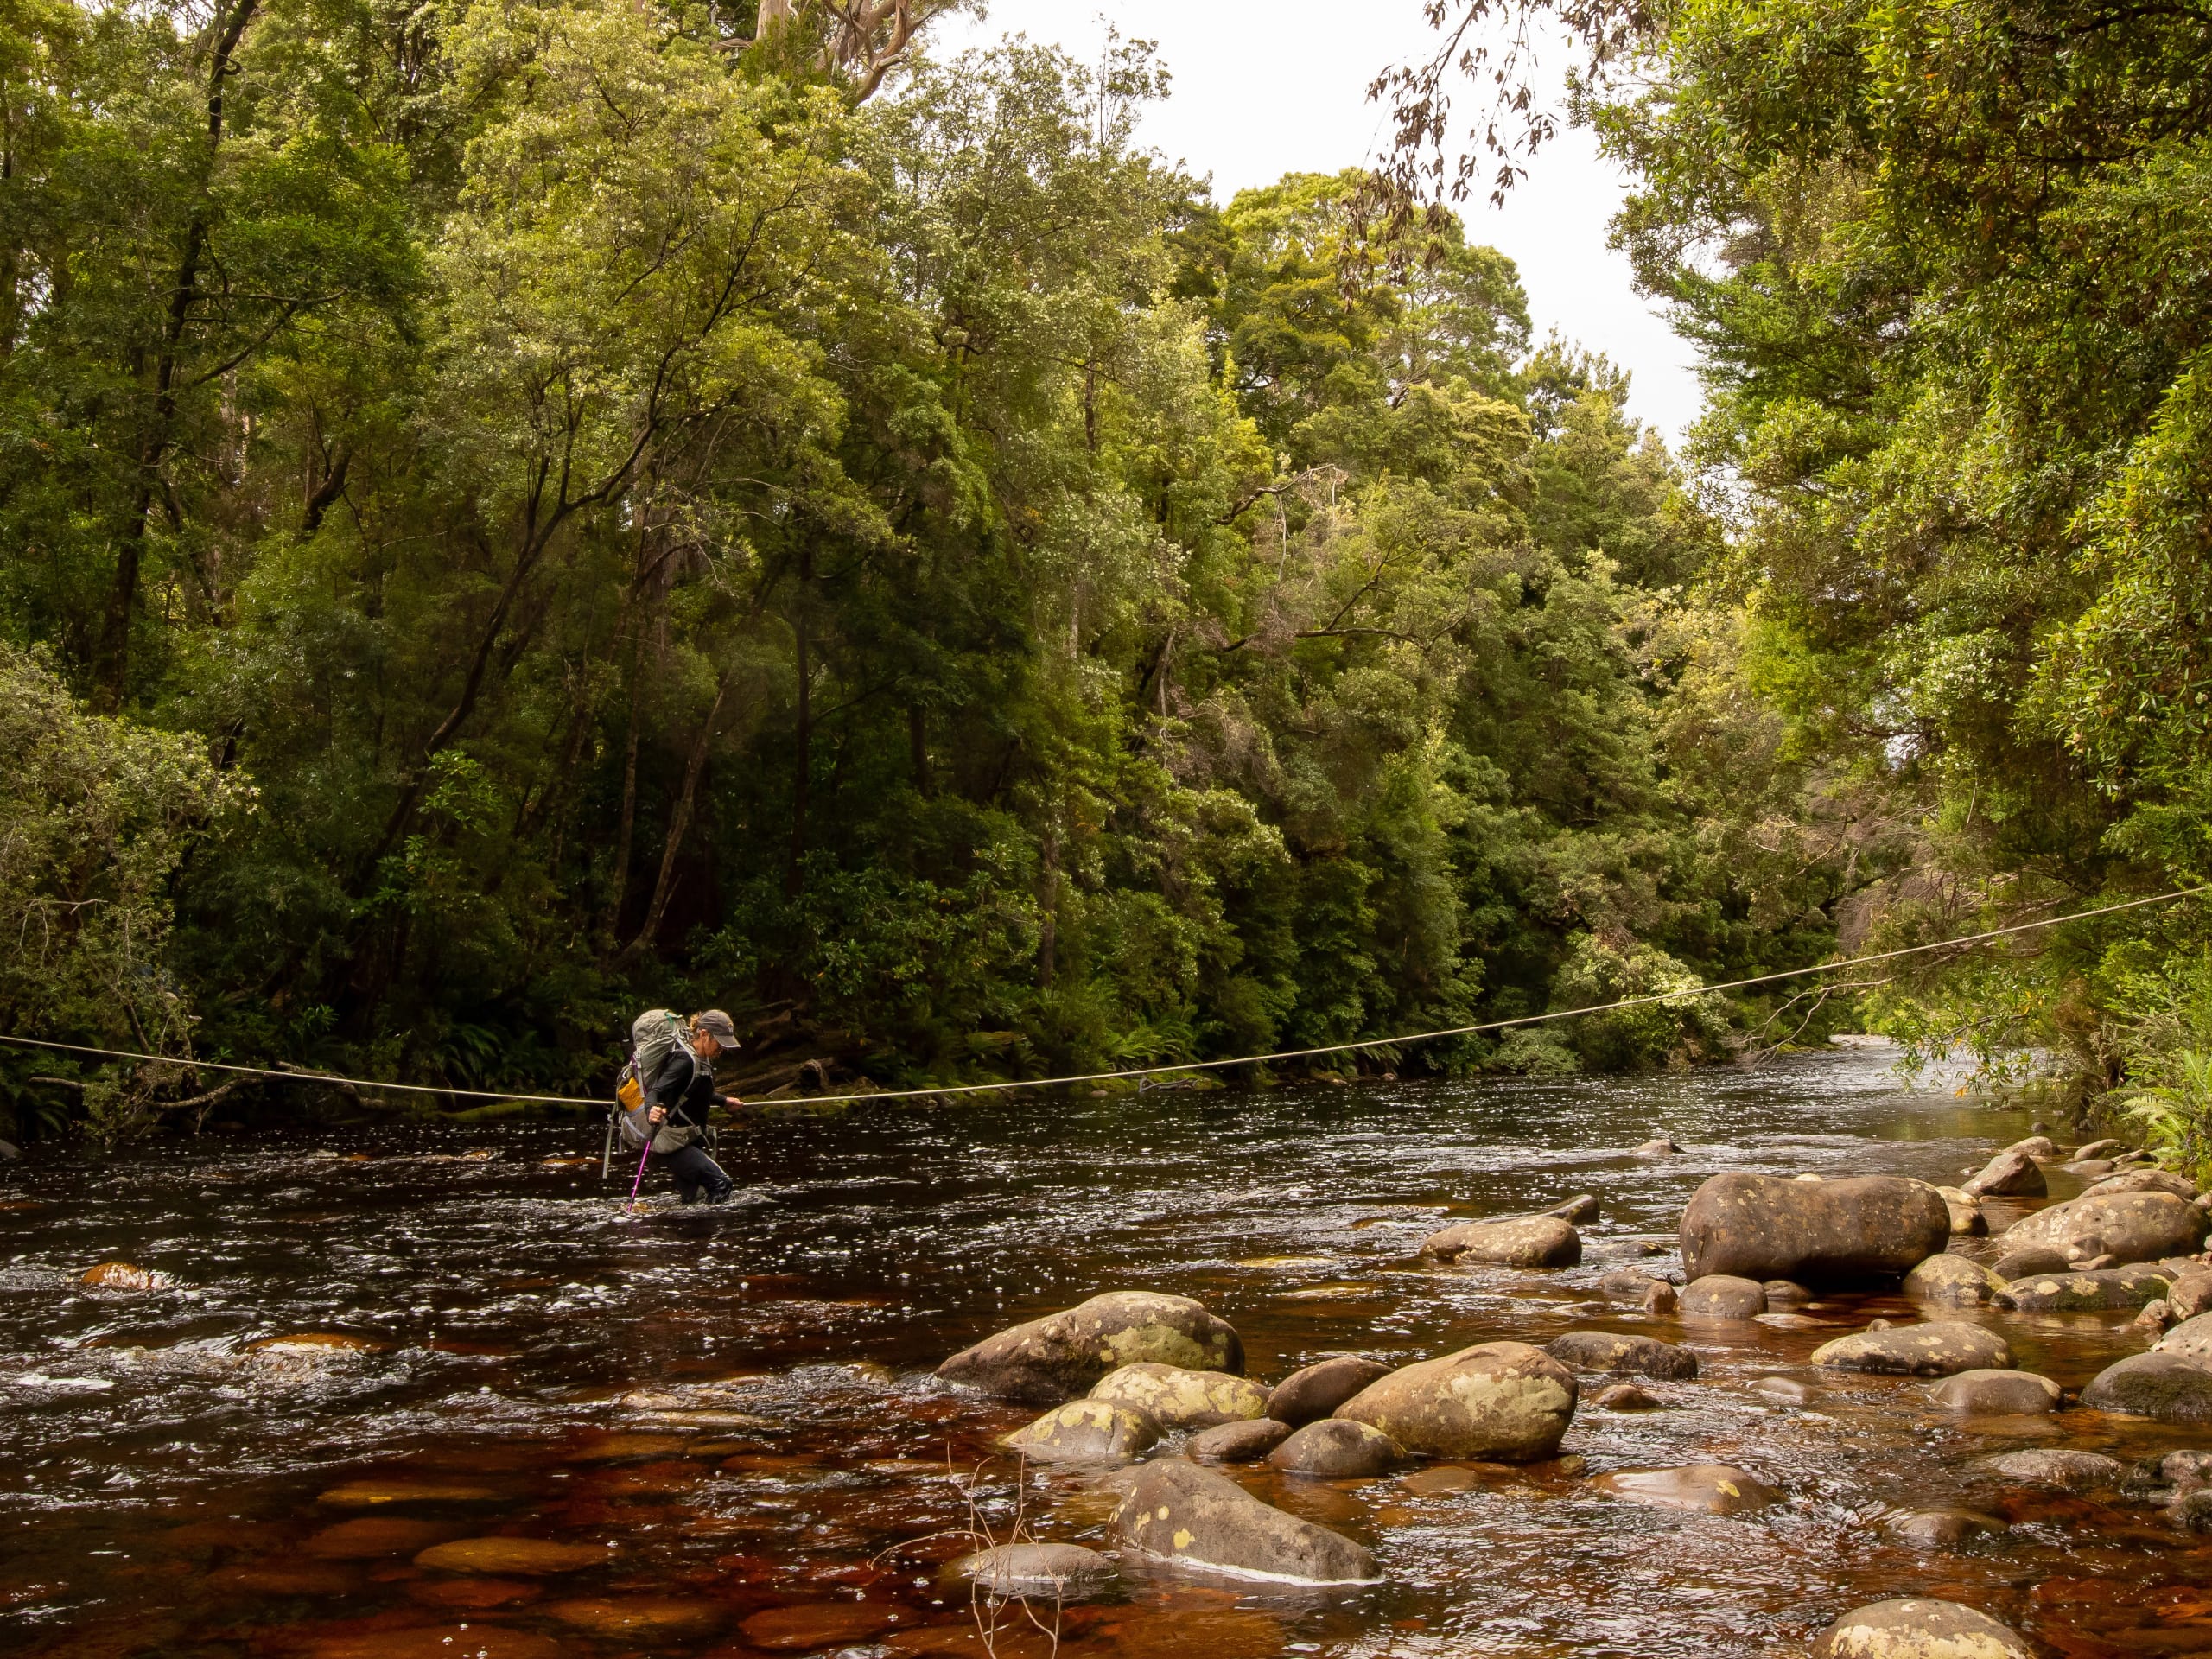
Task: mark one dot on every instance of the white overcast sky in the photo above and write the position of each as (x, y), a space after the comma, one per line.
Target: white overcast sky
(1265, 89)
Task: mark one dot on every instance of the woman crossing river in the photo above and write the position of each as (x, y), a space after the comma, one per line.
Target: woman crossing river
(669, 1087)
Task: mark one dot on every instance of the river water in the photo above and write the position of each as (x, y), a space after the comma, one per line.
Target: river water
(362, 1347)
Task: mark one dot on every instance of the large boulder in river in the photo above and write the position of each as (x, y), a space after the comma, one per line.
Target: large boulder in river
(1917, 1627)
(1085, 1431)
(1245, 1442)
(1953, 1281)
(2190, 1340)
(1515, 1241)
(1723, 1296)
(2162, 1387)
(1996, 1394)
(1177, 1512)
(1607, 1351)
(1175, 1398)
(1763, 1227)
(1337, 1448)
(1065, 1354)
(2145, 1180)
(1939, 1348)
(2126, 1226)
(2086, 1293)
(1499, 1401)
(2011, 1175)
(1309, 1394)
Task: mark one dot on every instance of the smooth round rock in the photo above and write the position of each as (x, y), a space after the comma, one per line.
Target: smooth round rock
(2038, 1146)
(1785, 1292)
(2190, 1294)
(1626, 1284)
(1938, 1348)
(1953, 1281)
(1723, 1296)
(2086, 1293)
(125, 1275)
(1501, 1400)
(1660, 1299)
(1182, 1516)
(1996, 1394)
(370, 1537)
(1660, 1146)
(1918, 1628)
(1174, 1398)
(1969, 1219)
(1085, 1431)
(1763, 1227)
(1787, 1390)
(1714, 1488)
(520, 1557)
(2011, 1175)
(378, 1494)
(2192, 1510)
(1245, 1442)
(1605, 1350)
(1943, 1528)
(2190, 1340)
(809, 1626)
(1064, 1354)
(2162, 1387)
(1047, 1571)
(1516, 1242)
(1581, 1208)
(640, 1618)
(2107, 1148)
(1337, 1448)
(1627, 1396)
(2127, 1226)
(2056, 1470)
(2024, 1262)
(2145, 1180)
(1311, 1393)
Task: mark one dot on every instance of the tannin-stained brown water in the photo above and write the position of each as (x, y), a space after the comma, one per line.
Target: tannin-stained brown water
(373, 1345)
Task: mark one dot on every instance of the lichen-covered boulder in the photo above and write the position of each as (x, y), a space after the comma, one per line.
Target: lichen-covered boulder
(1175, 1398)
(1763, 1227)
(1515, 1241)
(1722, 1296)
(1505, 1401)
(1953, 1281)
(1245, 1442)
(1606, 1350)
(1996, 1394)
(2083, 1292)
(1181, 1514)
(1337, 1448)
(2126, 1226)
(1968, 1219)
(1065, 1354)
(1085, 1431)
(1311, 1392)
(1938, 1348)
(2145, 1180)
(1915, 1627)
(2190, 1295)
(1715, 1488)
(2011, 1175)
(2190, 1340)
(2163, 1387)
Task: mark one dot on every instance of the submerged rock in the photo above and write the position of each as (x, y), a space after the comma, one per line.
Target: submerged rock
(1660, 1146)
(1627, 1396)
(2126, 1226)
(1309, 1394)
(1953, 1281)
(811, 1626)
(1943, 1528)
(1504, 1401)
(1626, 1284)
(1046, 1572)
(1918, 1628)
(378, 1494)
(1784, 1391)
(1176, 1512)
(2011, 1173)
(125, 1275)
(1245, 1442)
(1603, 1350)
(2055, 1470)
(371, 1537)
(1516, 1242)
(1066, 1353)
(1175, 1398)
(652, 1619)
(1337, 1448)
(1723, 1296)
(1715, 1488)
(521, 1558)
(2162, 1387)
(1939, 1348)
(1085, 1431)
(2080, 1293)
(1763, 1227)
(1996, 1394)
(2192, 1510)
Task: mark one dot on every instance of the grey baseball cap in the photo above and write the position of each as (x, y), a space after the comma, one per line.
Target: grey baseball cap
(716, 1025)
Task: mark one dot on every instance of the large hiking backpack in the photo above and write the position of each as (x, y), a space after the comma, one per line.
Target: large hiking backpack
(653, 1035)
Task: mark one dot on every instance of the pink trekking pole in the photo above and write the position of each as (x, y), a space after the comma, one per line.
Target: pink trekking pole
(647, 1152)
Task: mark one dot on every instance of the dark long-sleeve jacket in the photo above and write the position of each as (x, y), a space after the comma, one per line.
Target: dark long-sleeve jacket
(684, 1084)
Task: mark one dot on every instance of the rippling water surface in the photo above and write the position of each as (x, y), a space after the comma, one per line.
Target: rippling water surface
(364, 1346)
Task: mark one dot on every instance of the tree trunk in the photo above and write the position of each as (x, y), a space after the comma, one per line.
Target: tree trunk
(917, 747)
(680, 823)
(803, 767)
(1049, 936)
(627, 824)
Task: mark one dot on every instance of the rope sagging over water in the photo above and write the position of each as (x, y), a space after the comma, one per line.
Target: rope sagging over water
(495, 1096)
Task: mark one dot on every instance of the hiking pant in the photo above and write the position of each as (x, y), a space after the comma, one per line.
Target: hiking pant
(696, 1174)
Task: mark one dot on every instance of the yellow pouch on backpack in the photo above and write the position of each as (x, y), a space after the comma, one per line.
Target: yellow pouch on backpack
(631, 1093)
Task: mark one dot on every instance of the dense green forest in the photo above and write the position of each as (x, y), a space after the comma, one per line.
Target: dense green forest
(510, 514)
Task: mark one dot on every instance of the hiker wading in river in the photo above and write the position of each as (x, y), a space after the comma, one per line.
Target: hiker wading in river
(669, 1087)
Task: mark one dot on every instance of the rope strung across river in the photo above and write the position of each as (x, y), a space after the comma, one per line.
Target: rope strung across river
(494, 1095)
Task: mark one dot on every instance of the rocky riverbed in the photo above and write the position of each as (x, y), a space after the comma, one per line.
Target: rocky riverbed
(1177, 1377)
